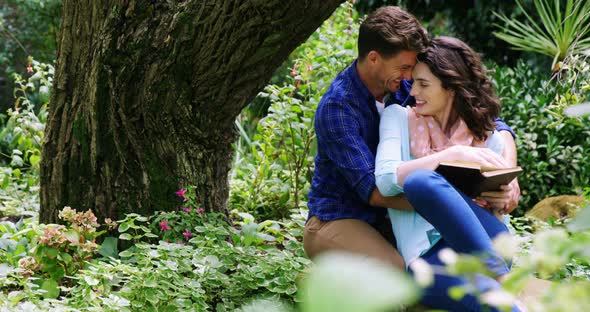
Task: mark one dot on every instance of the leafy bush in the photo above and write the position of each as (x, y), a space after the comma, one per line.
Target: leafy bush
(27, 27)
(553, 149)
(30, 28)
(216, 269)
(272, 170)
(20, 141)
(563, 29)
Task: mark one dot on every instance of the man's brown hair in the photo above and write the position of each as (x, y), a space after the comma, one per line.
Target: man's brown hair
(390, 30)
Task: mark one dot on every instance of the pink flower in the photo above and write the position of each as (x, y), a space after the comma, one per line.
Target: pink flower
(187, 234)
(181, 193)
(200, 210)
(164, 225)
(187, 209)
(29, 69)
(294, 70)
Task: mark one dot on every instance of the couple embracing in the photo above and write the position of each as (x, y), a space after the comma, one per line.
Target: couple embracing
(407, 103)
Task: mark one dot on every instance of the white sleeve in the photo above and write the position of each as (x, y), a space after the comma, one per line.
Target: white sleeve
(392, 132)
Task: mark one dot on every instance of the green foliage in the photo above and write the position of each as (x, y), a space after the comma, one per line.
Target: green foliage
(134, 228)
(20, 141)
(272, 170)
(61, 250)
(216, 269)
(553, 149)
(29, 28)
(16, 240)
(177, 226)
(564, 29)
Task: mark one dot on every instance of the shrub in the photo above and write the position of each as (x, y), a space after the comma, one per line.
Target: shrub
(20, 141)
(564, 29)
(553, 149)
(272, 171)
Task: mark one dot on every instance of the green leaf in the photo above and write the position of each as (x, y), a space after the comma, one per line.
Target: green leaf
(52, 252)
(91, 281)
(58, 272)
(126, 253)
(34, 160)
(123, 227)
(125, 236)
(44, 94)
(73, 236)
(51, 289)
(65, 257)
(109, 247)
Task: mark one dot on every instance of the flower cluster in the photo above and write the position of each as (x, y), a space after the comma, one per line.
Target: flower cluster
(53, 236)
(28, 266)
(83, 222)
(177, 226)
(62, 250)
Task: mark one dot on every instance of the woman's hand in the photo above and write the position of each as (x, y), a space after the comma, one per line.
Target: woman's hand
(480, 155)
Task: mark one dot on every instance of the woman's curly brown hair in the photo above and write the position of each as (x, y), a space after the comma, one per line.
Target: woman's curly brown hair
(461, 70)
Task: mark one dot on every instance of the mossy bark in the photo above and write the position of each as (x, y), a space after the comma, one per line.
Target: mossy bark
(146, 93)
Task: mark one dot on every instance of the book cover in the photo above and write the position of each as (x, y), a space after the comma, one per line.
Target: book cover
(473, 179)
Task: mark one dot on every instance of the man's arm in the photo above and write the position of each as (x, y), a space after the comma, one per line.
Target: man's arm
(338, 131)
(399, 202)
(505, 200)
(502, 127)
(510, 155)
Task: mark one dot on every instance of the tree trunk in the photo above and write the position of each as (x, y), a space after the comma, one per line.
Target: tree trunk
(146, 93)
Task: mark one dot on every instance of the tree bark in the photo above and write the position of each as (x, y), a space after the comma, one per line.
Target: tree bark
(146, 93)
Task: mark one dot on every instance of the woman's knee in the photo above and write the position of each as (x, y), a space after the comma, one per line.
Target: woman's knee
(419, 180)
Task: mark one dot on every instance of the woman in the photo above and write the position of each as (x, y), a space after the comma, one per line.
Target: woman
(453, 120)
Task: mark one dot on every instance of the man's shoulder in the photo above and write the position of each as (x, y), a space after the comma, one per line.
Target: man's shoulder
(343, 90)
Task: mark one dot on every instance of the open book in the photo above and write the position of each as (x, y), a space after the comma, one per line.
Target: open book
(473, 178)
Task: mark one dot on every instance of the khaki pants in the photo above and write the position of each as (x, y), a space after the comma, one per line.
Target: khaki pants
(349, 235)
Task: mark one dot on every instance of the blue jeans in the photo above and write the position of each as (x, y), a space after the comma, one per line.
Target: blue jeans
(465, 227)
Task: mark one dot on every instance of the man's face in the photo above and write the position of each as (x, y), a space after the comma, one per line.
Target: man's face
(390, 71)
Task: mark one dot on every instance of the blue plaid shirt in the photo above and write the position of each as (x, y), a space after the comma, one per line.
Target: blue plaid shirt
(347, 129)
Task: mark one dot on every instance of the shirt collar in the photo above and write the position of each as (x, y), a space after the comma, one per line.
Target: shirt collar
(358, 83)
(362, 88)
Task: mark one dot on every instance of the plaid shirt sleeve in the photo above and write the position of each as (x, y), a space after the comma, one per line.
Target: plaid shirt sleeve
(338, 132)
(502, 126)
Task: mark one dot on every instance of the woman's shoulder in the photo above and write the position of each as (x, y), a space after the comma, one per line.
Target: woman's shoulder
(395, 110)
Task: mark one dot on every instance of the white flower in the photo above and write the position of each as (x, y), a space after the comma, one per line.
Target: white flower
(498, 298)
(447, 256)
(506, 245)
(549, 240)
(423, 272)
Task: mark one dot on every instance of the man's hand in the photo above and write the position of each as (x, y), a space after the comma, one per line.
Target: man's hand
(506, 200)
(397, 202)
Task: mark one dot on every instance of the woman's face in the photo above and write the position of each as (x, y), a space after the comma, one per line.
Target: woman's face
(431, 98)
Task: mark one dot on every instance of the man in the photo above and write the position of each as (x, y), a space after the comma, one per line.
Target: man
(344, 205)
